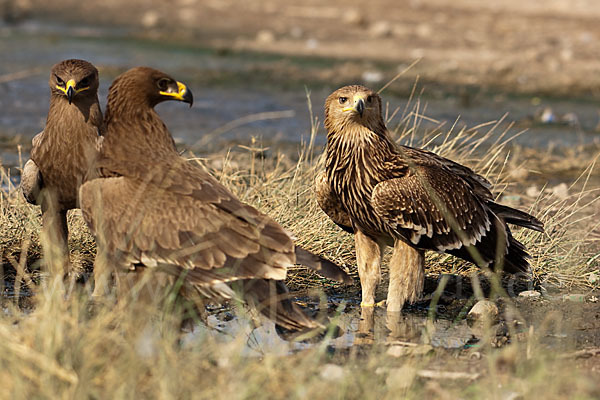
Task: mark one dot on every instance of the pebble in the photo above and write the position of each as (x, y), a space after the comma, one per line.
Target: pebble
(380, 29)
(533, 191)
(530, 294)
(483, 310)
(372, 76)
(561, 191)
(150, 19)
(353, 16)
(265, 36)
(332, 372)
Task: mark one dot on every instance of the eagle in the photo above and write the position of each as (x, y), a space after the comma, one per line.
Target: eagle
(152, 210)
(63, 152)
(410, 199)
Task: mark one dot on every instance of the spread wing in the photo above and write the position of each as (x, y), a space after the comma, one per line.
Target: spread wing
(432, 208)
(151, 225)
(330, 204)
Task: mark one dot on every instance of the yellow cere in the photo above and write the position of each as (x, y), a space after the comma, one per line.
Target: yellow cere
(181, 89)
(71, 84)
(351, 108)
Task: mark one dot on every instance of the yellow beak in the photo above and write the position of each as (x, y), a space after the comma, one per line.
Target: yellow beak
(358, 106)
(69, 89)
(182, 94)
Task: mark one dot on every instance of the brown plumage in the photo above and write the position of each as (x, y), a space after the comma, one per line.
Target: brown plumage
(63, 152)
(150, 208)
(408, 198)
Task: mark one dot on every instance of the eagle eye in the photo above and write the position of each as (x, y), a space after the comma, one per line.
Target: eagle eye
(84, 82)
(59, 80)
(369, 99)
(163, 84)
(343, 100)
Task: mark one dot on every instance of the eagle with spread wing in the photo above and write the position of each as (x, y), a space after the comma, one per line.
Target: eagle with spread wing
(151, 209)
(408, 198)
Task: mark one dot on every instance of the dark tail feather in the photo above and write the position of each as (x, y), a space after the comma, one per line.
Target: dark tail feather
(322, 266)
(272, 299)
(516, 217)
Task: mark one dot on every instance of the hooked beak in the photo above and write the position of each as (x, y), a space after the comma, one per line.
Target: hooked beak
(70, 93)
(359, 106)
(183, 94)
(69, 89)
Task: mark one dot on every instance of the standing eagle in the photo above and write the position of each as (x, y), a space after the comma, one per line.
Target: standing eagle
(152, 211)
(63, 152)
(408, 198)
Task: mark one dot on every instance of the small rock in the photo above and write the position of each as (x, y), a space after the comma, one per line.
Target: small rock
(424, 30)
(312, 44)
(150, 19)
(519, 173)
(561, 191)
(533, 191)
(483, 311)
(530, 294)
(380, 29)
(574, 297)
(265, 36)
(593, 277)
(332, 372)
(353, 16)
(372, 76)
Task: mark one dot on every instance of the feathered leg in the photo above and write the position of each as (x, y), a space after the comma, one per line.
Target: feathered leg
(406, 276)
(55, 238)
(102, 272)
(368, 259)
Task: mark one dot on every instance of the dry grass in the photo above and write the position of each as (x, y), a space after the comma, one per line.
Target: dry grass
(61, 350)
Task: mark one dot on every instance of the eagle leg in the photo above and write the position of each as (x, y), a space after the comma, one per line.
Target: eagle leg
(55, 235)
(406, 276)
(102, 272)
(368, 259)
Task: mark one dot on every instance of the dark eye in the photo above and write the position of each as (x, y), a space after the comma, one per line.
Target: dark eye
(369, 99)
(85, 81)
(59, 81)
(163, 84)
(343, 100)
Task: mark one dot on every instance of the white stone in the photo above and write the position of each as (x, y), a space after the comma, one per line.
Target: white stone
(332, 372)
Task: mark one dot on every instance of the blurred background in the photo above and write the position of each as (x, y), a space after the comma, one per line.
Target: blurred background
(252, 64)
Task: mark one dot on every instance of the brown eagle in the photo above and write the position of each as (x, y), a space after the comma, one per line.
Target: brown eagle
(408, 198)
(64, 151)
(150, 209)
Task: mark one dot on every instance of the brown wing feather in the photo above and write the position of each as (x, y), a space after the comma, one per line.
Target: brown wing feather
(330, 204)
(153, 226)
(432, 209)
(477, 183)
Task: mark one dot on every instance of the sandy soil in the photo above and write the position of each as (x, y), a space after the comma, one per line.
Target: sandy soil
(548, 47)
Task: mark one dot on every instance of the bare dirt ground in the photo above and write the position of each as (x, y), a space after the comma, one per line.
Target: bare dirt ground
(548, 47)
